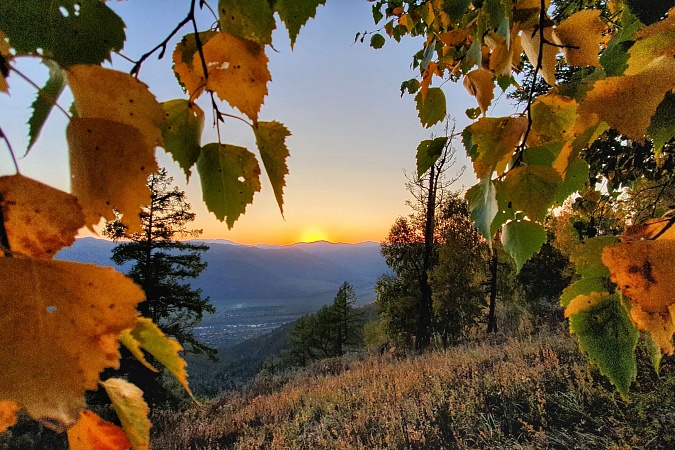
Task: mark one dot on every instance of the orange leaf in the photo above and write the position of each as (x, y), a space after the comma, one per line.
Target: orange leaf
(480, 84)
(7, 55)
(660, 325)
(185, 55)
(91, 432)
(39, 220)
(432, 69)
(60, 325)
(109, 164)
(238, 72)
(643, 272)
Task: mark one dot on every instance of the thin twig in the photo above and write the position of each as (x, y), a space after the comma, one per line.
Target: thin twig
(3, 136)
(538, 66)
(162, 45)
(41, 92)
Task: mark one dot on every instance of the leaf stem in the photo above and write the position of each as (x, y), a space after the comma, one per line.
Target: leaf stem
(3, 136)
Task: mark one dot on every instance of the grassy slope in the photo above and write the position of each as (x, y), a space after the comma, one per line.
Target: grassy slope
(535, 393)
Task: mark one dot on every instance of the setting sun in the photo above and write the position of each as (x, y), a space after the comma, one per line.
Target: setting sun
(313, 234)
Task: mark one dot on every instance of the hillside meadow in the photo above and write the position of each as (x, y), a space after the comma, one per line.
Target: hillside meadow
(523, 393)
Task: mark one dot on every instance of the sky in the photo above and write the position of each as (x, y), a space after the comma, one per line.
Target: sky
(353, 136)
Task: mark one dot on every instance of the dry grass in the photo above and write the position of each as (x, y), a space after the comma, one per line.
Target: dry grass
(520, 394)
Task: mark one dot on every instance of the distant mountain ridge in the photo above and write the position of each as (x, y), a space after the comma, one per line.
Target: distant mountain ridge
(258, 288)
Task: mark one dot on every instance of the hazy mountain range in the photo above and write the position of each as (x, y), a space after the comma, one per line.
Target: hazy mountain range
(258, 288)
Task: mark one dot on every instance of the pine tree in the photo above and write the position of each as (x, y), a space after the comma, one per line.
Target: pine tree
(161, 263)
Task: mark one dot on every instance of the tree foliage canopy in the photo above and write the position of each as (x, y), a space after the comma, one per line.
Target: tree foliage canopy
(532, 162)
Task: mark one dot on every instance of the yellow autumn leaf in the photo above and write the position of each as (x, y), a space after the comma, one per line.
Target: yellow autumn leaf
(147, 336)
(39, 220)
(8, 410)
(238, 72)
(453, 38)
(481, 85)
(184, 56)
(580, 36)
(659, 324)
(493, 141)
(101, 93)
(501, 54)
(643, 272)
(553, 119)
(583, 302)
(131, 409)
(60, 322)
(109, 165)
(91, 432)
(658, 39)
(628, 102)
(530, 42)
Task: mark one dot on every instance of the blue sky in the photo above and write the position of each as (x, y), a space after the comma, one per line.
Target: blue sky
(353, 135)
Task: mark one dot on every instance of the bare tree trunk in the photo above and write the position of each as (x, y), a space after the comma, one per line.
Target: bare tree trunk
(492, 317)
(423, 335)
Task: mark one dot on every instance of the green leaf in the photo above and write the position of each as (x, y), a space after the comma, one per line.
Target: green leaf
(455, 9)
(147, 336)
(131, 409)
(575, 178)
(271, 140)
(654, 352)
(86, 34)
(483, 206)
(650, 11)
(522, 239)
(428, 152)
(247, 19)
(411, 86)
(587, 257)
(553, 117)
(45, 101)
(609, 337)
(542, 155)
(531, 189)
(504, 209)
(585, 286)
(182, 132)
(295, 13)
(377, 40)
(491, 141)
(473, 56)
(662, 127)
(377, 13)
(230, 176)
(432, 109)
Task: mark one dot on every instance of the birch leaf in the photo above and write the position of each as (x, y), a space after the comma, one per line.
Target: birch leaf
(271, 140)
(131, 409)
(247, 19)
(580, 36)
(530, 41)
(101, 93)
(67, 318)
(295, 13)
(92, 432)
(8, 411)
(182, 132)
(39, 220)
(238, 72)
(480, 83)
(147, 336)
(628, 102)
(230, 177)
(109, 165)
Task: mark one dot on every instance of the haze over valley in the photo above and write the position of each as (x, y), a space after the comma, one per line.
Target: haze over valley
(256, 289)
